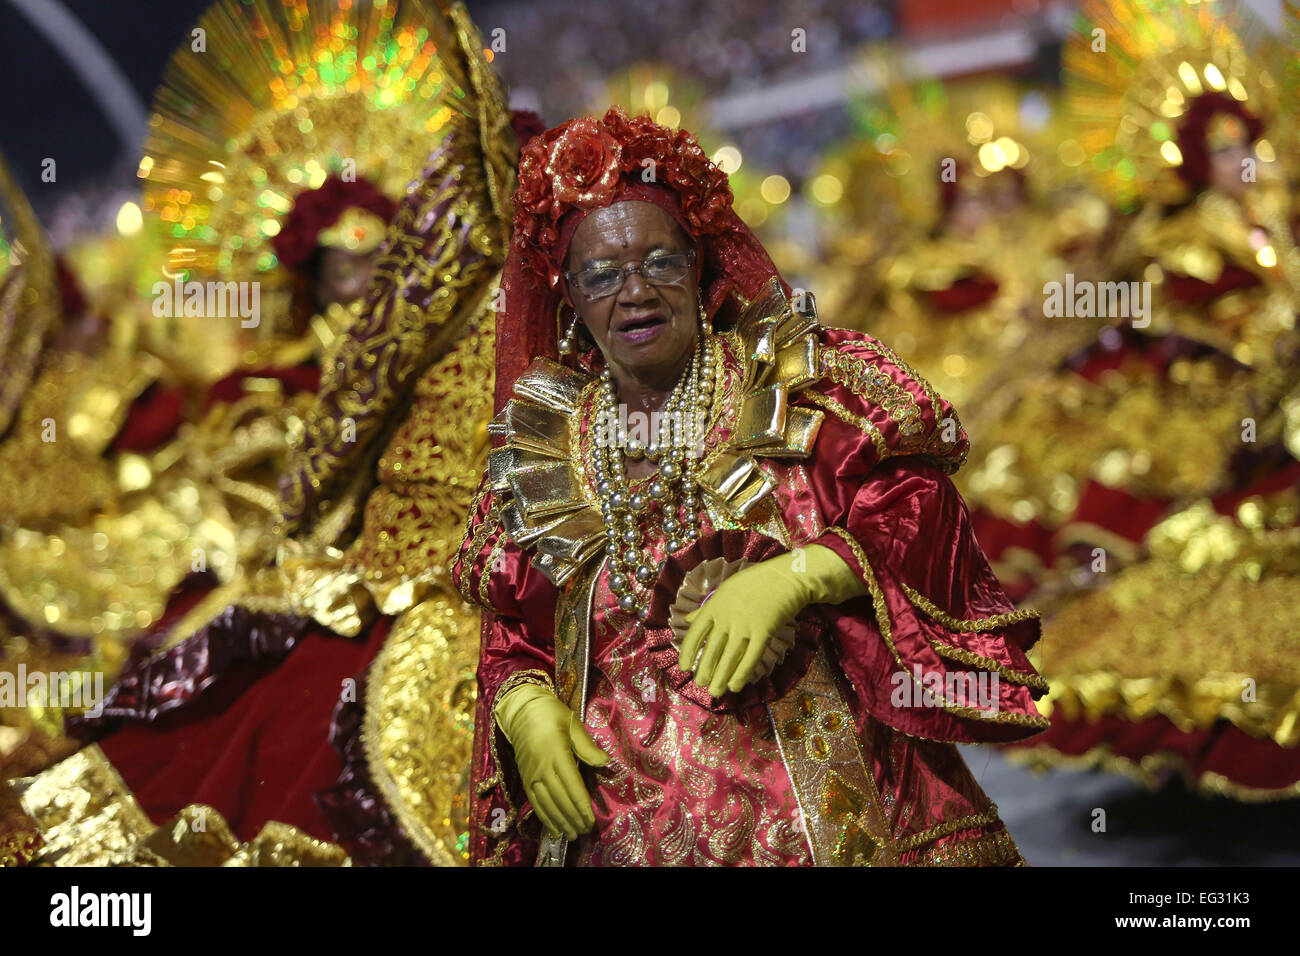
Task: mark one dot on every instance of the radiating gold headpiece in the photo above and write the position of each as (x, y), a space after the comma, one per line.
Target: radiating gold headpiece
(284, 95)
(1133, 70)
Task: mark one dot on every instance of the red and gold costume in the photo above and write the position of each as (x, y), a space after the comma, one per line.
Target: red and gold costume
(250, 698)
(1147, 486)
(814, 435)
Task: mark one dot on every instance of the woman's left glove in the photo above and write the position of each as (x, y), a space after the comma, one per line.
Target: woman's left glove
(736, 622)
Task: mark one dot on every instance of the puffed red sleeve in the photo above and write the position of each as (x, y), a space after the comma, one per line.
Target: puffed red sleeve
(495, 574)
(935, 648)
(517, 644)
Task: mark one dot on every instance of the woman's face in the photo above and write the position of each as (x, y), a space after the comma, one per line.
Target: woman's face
(343, 276)
(645, 331)
(1227, 170)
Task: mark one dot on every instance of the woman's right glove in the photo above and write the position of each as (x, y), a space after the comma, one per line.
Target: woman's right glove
(546, 735)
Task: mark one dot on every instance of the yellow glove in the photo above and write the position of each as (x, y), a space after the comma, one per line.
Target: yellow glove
(736, 623)
(546, 735)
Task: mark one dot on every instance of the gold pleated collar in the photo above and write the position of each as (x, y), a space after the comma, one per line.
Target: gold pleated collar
(549, 504)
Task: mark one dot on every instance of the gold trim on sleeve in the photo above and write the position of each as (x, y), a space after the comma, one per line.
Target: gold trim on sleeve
(945, 827)
(857, 421)
(491, 523)
(967, 625)
(992, 849)
(885, 625)
(981, 625)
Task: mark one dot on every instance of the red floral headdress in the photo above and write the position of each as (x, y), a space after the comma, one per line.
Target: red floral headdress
(1194, 133)
(586, 164)
(315, 210)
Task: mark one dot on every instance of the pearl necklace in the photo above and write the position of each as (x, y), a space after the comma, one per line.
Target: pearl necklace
(672, 498)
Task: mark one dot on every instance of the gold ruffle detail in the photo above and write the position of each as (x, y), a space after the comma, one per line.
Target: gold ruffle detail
(874, 385)
(1151, 771)
(539, 470)
(1136, 648)
(992, 849)
(885, 626)
(86, 816)
(1131, 429)
(418, 732)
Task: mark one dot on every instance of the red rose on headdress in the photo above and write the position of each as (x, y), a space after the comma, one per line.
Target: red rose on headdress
(587, 162)
(704, 188)
(534, 208)
(642, 139)
(584, 163)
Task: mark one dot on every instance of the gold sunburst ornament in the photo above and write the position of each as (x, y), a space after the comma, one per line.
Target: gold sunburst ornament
(917, 133)
(1133, 70)
(269, 99)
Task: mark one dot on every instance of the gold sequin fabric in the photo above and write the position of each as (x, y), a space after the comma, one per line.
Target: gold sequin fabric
(84, 815)
(428, 473)
(419, 724)
(1134, 428)
(1137, 648)
(45, 471)
(205, 502)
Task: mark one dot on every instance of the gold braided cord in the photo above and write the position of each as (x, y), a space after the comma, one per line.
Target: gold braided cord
(885, 626)
(859, 422)
(946, 827)
(991, 849)
(967, 625)
(976, 626)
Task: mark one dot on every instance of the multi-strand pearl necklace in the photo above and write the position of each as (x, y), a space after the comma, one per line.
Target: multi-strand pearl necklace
(671, 498)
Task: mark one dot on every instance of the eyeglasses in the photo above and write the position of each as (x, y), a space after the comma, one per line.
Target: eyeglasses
(600, 282)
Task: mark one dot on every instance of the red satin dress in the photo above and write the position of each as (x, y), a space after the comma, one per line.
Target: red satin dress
(691, 785)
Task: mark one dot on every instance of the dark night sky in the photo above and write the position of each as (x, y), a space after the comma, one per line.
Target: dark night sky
(44, 108)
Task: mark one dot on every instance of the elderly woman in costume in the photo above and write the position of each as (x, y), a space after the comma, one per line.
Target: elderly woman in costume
(749, 633)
